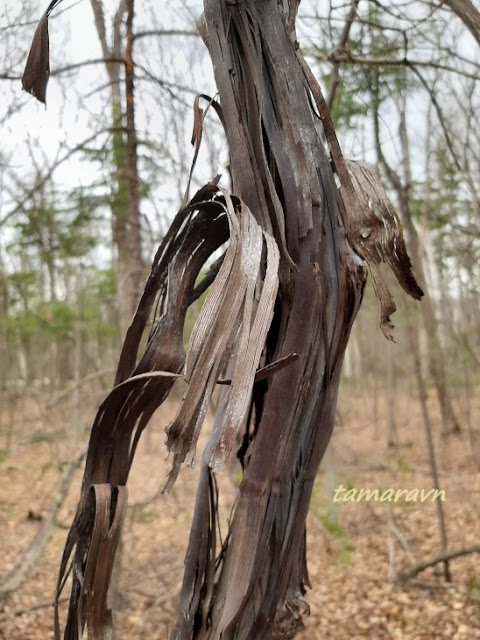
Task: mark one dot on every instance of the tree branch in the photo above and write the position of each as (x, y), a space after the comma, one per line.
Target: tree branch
(47, 176)
(165, 32)
(345, 56)
(335, 76)
(100, 25)
(403, 576)
(15, 578)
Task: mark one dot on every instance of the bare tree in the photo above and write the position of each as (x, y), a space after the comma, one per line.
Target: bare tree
(403, 187)
(118, 57)
(277, 319)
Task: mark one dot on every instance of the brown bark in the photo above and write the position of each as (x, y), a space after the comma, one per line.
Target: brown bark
(280, 170)
(277, 319)
(141, 386)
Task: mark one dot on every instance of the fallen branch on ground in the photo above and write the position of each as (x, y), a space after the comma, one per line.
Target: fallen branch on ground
(403, 576)
(17, 576)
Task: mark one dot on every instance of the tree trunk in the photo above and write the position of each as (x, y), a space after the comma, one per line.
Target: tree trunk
(404, 193)
(423, 398)
(391, 397)
(255, 587)
(281, 304)
(280, 170)
(125, 199)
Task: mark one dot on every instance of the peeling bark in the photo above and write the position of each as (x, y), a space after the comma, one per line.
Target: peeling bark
(280, 170)
(272, 331)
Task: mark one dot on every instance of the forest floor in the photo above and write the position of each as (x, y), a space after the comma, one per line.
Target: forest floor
(355, 549)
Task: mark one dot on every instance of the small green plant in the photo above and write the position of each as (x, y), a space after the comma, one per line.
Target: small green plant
(321, 509)
(344, 554)
(403, 466)
(473, 584)
(331, 525)
(140, 513)
(50, 469)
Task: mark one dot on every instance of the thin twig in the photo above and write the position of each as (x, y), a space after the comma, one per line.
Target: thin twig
(21, 612)
(65, 394)
(403, 576)
(335, 75)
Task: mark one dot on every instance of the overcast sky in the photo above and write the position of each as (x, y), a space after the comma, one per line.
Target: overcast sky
(75, 110)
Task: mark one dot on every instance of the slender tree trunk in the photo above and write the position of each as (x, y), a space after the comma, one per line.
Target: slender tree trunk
(335, 73)
(422, 394)
(5, 343)
(133, 239)
(391, 398)
(125, 199)
(403, 187)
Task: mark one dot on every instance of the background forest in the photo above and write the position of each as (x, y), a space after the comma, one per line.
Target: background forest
(88, 188)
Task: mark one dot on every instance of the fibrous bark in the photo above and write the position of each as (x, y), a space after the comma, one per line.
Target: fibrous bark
(273, 330)
(280, 169)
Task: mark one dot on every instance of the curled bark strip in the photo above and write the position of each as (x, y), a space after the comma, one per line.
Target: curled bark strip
(110, 504)
(376, 233)
(103, 518)
(142, 383)
(367, 208)
(238, 309)
(235, 316)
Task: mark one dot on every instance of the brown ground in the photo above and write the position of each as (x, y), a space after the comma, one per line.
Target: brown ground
(350, 560)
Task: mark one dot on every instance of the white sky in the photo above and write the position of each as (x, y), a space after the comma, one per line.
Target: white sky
(72, 113)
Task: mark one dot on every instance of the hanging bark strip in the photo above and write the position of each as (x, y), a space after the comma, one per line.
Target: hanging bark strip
(236, 315)
(139, 390)
(37, 69)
